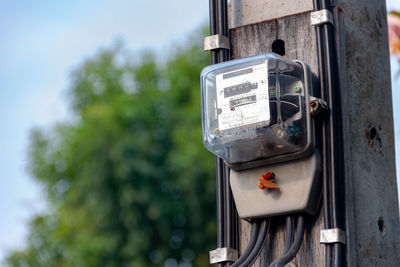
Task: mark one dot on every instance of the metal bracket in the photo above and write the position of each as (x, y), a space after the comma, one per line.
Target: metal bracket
(320, 17)
(334, 235)
(223, 254)
(216, 41)
(317, 105)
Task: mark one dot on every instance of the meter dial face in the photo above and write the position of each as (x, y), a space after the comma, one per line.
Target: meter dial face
(242, 97)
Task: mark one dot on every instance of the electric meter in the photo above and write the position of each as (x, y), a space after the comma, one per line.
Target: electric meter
(255, 111)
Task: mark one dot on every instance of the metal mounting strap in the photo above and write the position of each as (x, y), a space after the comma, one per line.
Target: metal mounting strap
(320, 17)
(222, 255)
(216, 41)
(334, 235)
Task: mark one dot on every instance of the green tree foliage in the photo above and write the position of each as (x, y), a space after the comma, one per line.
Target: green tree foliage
(129, 182)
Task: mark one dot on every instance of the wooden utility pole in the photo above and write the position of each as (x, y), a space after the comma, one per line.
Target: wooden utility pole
(370, 190)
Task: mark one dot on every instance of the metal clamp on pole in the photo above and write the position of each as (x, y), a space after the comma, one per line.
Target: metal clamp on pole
(216, 41)
(317, 105)
(222, 255)
(320, 17)
(335, 235)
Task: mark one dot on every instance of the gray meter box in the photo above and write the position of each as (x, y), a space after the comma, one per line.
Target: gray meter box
(299, 189)
(256, 116)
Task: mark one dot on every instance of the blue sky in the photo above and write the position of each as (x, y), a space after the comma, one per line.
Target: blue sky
(42, 41)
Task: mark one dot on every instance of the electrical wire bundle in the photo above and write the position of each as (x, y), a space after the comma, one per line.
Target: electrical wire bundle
(291, 247)
(227, 218)
(258, 236)
(331, 133)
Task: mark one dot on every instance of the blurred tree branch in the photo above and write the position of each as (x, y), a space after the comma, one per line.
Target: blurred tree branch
(128, 180)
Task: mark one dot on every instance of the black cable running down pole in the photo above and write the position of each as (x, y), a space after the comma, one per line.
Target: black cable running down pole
(227, 219)
(332, 134)
(288, 239)
(259, 244)
(298, 240)
(289, 234)
(219, 166)
(324, 144)
(229, 214)
(222, 27)
(255, 231)
(253, 249)
(336, 133)
(213, 30)
(220, 205)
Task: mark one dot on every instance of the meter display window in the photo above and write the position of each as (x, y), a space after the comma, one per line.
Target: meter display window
(242, 97)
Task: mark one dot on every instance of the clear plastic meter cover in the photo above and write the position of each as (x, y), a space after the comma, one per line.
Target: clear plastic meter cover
(254, 108)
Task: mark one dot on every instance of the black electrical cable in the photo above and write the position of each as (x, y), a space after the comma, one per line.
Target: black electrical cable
(289, 234)
(324, 145)
(255, 230)
(220, 205)
(219, 163)
(213, 30)
(227, 218)
(298, 240)
(335, 132)
(288, 238)
(230, 213)
(229, 242)
(222, 27)
(251, 253)
(259, 244)
(332, 142)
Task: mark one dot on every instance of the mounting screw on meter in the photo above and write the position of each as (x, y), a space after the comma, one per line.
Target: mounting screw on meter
(255, 111)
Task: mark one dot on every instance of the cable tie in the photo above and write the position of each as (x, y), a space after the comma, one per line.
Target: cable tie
(320, 17)
(223, 254)
(216, 41)
(335, 235)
